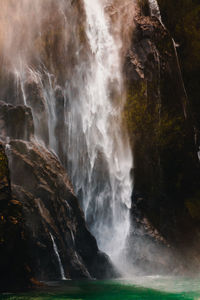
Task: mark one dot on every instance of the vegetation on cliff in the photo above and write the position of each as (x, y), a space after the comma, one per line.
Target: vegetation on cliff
(161, 126)
(182, 20)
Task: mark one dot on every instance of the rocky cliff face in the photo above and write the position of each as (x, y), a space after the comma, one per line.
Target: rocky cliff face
(38, 203)
(166, 170)
(183, 25)
(52, 239)
(15, 270)
(43, 232)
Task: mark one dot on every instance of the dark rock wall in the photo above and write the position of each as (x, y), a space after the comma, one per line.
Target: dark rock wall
(37, 201)
(158, 114)
(183, 24)
(14, 259)
(50, 207)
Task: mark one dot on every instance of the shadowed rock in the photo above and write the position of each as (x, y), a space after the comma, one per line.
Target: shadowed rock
(166, 166)
(16, 122)
(49, 206)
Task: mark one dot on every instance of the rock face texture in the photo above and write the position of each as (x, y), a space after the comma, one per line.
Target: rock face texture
(183, 25)
(16, 122)
(38, 209)
(50, 207)
(166, 170)
(43, 234)
(15, 270)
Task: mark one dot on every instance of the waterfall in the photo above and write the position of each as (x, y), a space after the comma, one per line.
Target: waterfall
(83, 124)
(154, 9)
(99, 151)
(62, 273)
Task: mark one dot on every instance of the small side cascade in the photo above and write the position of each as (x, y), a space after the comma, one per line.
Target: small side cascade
(62, 273)
(154, 9)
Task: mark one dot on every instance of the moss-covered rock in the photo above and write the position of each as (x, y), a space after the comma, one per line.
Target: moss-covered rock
(182, 21)
(161, 127)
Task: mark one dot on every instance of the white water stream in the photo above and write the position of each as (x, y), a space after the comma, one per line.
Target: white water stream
(99, 151)
(62, 273)
(154, 9)
(95, 144)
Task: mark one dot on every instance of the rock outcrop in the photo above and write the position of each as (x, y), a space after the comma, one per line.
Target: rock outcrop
(14, 262)
(51, 208)
(16, 122)
(46, 213)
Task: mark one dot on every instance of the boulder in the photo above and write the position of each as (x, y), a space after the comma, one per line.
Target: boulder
(52, 217)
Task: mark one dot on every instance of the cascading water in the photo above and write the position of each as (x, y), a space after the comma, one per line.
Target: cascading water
(99, 151)
(154, 9)
(85, 67)
(62, 273)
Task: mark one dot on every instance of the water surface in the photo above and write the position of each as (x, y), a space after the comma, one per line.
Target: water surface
(139, 288)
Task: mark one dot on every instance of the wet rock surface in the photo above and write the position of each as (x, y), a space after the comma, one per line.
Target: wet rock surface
(16, 122)
(37, 202)
(14, 259)
(49, 207)
(166, 166)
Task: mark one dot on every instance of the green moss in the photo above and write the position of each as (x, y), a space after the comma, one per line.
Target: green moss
(193, 206)
(184, 26)
(3, 165)
(166, 130)
(139, 115)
